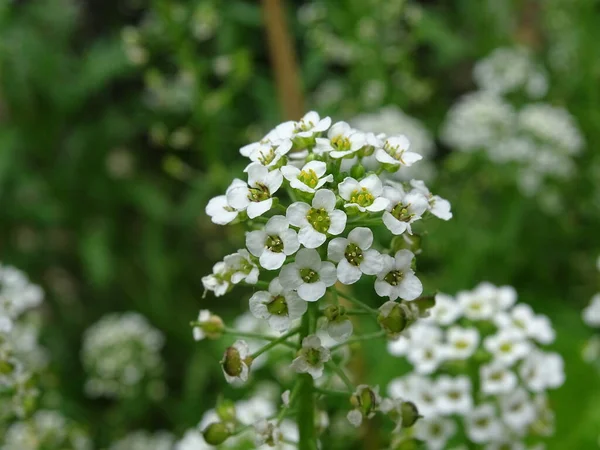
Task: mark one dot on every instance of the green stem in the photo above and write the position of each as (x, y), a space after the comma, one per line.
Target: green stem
(323, 391)
(340, 373)
(274, 343)
(306, 399)
(250, 335)
(364, 337)
(357, 302)
(293, 397)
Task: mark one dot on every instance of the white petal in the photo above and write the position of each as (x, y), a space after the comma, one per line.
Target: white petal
(289, 277)
(410, 287)
(318, 166)
(372, 263)
(441, 208)
(257, 173)
(277, 225)
(328, 273)
(238, 197)
(361, 236)
(336, 249)
(355, 418)
(384, 158)
(410, 158)
(216, 210)
(311, 292)
(273, 181)
(403, 259)
(256, 209)
(311, 238)
(279, 323)
(383, 288)
(324, 198)
(379, 204)
(394, 225)
(308, 258)
(289, 238)
(347, 187)
(290, 172)
(258, 306)
(373, 184)
(348, 273)
(271, 260)
(296, 214)
(338, 222)
(339, 129)
(255, 242)
(340, 330)
(296, 306)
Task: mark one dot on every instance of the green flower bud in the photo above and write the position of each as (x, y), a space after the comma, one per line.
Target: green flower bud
(216, 433)
(232, 362)
(410, 414)
(333, 312)
(226, 411)
(395, 317)
(357, 171)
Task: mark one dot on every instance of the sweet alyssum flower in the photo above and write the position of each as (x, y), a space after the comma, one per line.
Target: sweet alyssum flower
(309, 206)
(207, 326)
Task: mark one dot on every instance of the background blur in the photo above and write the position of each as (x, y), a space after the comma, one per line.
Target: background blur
(119, 120)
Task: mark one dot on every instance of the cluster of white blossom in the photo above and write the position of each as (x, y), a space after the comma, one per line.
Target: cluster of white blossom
(591, 316)
(45, 430)
(121, 355)
(539, 138)
(310, 206)
(478, 363)
(144, 440)
(21, 357)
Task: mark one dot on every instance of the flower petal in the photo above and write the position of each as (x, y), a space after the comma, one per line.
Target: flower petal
(336, 249)
(361, 236)
(372, 262)
(311, 238)
(271, 260)
(338, 222)
(324, 198)
(255, 242)
(308, 258)
(296, 214)
(348, 273)
(410, 287)
(311, 292)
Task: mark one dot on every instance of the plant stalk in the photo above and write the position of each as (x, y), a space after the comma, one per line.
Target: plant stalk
(306, 394)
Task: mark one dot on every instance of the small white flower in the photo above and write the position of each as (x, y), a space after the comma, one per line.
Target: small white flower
(426, 357)
(483, 425)
(403, 209)
(220, 211)
(308, 275)
(435, 431)
(241, 267)
(310, 124)
(266, 432)
(497, 379)
(219, 281)
(234, 363)
(318, 221)
(446, 310)
(273, 243)
(419, 390)
(518, 410)
(354, 255)
(475, 305)
(342, 140)
(395, 152)
(278, 306)
(366, 401)
(366, 194)
(438, 206)
(397, 279)
(454, 395)
(268, 154)
(340, 329)
(462, 342)
(255, 197)
(206, 321)
(522, 318)
(507, 346)
(591, 314)
(540, 371)
(285, 398)
(308, 179)
(311, 357)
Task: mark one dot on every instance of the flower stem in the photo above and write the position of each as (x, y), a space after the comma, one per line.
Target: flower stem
(364, 337)
(356, 301)
(250, 335)
(306, 394)
(274, 343)
(340, 373)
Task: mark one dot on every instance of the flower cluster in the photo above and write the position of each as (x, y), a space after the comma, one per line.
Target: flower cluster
(121, 355)
(46, 429)
(478, 362)
(17, 295)
(591, 316)
(311, 207)
(143, 440)
(540, 139)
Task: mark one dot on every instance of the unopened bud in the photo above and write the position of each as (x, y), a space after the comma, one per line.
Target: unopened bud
(226, 411)
(232, 362)
(410, 414)
(216, 433)
(394, 318)
(357, 171)
(334, 312)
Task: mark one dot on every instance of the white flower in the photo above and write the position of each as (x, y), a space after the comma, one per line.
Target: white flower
(438, 206)
(342, 140)
(318, 221)
(220, 211)
(435, 431)
(285, 398)
(340, 329)
(446, 310)
(267, 432)
(462, 342)
(366, 401)
(192, 440)
(311, 178)
(278, 306)
(207, 322)
(483, 425)
(518, 411)
(426, 356)
(310, 124)
(308, 275)
(419, 390)
(311, 357)
(497, 379)
(403, 209)
(507, 346)
(540, 371)
(255, 197)
(234, 365)
(522, 318)
(219, 281)
(354, 255)
(591, 314)
(454, 395)
(397, 279)
(273, 243)
(241, 267)
(268, 154)
(366, 194)
(475, 305)
(395, 152)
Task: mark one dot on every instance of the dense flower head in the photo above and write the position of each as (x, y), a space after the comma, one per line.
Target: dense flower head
(479, 363)
(121, 355)
(17, 295)
(46, 430)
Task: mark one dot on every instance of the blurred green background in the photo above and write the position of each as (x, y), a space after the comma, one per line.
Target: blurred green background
(119, 120)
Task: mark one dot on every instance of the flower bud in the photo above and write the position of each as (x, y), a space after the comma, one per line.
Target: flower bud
(410, 414)
(232, 362)
(357, 171)
(395, 317)
(226, 411)
(216, 433)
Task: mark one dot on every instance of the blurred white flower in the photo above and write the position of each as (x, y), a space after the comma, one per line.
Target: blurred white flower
(311, 357)
(280, 307)
(273, 243)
